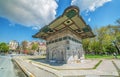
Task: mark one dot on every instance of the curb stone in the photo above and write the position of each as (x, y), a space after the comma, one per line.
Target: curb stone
(29, 74)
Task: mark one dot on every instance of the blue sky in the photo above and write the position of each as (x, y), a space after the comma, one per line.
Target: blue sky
(20, 19)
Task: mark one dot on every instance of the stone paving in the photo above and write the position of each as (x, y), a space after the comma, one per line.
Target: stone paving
(117, 62)
(35, 70)
(79, 66)
(105, 69)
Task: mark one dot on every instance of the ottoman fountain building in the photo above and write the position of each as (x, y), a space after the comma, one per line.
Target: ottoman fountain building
(63, 36)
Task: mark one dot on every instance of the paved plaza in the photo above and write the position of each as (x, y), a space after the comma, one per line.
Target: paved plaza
(87, 68)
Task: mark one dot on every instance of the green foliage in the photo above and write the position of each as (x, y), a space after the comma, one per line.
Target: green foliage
(89, 56)
(35, 46)
(86, 43)
(110, 49)
(118, 38)
(4, 47)
(103, 42)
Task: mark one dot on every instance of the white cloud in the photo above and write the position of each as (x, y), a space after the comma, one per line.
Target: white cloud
(89, 19)
(31, 13)
(89, 5)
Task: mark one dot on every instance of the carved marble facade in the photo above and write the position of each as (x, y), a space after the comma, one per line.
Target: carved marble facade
(64, 46)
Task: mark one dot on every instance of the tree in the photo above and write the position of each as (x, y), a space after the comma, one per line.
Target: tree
(118, 38)
(110, 49)
(86, 43)
(18, 48)
(4, 47)
(102, 43)
(118, 21)
(34, 46)
(24, 46)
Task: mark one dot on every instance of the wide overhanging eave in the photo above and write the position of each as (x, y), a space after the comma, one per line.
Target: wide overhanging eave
(62, 23)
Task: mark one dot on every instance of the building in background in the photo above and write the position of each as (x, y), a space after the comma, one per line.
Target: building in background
(27, 47)
(13, 45)
(42, 48)
(33, 47)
